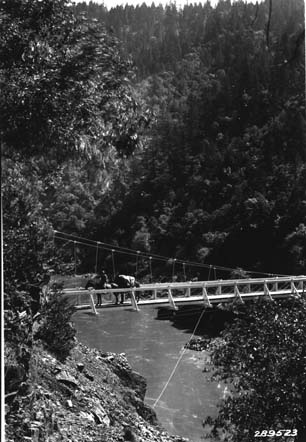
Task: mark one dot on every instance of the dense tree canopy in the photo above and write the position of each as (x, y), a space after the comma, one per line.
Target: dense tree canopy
(222, 176)
(218, 177)
(64, 95)
(264, 360)
(64, 86)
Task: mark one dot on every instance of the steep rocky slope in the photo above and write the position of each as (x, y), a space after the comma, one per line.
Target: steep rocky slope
(92, 396)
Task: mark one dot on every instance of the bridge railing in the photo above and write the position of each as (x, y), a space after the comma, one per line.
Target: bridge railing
(205, 291)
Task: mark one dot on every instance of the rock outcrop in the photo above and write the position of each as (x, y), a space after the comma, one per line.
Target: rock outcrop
(91, 397)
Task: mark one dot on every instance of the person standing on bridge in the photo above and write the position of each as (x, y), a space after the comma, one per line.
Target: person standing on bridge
(101, 281)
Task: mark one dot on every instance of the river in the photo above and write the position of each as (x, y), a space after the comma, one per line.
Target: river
(153, 343)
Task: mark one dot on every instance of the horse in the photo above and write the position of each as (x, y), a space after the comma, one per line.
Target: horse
(99, 282)
(124, 282)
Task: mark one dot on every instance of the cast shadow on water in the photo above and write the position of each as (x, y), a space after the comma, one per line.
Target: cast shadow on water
(186, 317)
(88, 313)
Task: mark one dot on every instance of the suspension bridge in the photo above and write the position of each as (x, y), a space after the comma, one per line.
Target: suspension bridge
(207, 293)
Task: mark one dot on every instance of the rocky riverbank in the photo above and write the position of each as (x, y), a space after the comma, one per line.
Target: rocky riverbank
(204, 343)
(92, 396)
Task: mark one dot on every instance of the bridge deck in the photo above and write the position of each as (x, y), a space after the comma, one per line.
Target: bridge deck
(205, 292)
(216, 299)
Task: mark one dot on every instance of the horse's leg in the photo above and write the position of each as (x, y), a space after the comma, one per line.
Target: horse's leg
(122, 297)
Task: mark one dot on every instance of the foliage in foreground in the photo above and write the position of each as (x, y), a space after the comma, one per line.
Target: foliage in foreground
(263, 357)
(64, 83)
(56, 331)
(65, 94)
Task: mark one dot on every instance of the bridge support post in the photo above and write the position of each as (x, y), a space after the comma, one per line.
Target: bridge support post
(92, 302)
(155, 294)
(294, 291)
(133, 300)
(267, 292)
(171, 300)
(188, 292)
(237, 294)
(207, 302)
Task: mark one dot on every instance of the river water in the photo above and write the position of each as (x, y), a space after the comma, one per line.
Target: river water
(153, 344)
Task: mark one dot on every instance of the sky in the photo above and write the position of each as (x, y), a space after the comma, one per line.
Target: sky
(180, 3)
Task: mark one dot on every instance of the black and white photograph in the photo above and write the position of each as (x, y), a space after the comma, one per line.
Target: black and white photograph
(153, 221)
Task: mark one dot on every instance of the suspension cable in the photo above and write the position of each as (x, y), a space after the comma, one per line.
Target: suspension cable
(136, 266)
(173, 267)
(182, 351)
(113, 263)
(127, 251)
(75, 257)
(97, 255)
(208, 279)
(150, 267)
(184, 271)
(64, 245)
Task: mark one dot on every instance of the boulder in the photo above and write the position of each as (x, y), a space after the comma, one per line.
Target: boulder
(67, 378)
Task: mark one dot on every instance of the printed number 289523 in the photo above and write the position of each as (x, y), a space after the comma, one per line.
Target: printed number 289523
(275, 433)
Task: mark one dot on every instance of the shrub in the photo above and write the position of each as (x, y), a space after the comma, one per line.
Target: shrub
(56, 330)
(263, 358)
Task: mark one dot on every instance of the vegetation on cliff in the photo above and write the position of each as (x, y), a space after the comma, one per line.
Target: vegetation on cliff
(262, 356)
(218, 177)
(65, 97)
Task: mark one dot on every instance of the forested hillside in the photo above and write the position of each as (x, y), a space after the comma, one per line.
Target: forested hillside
(173, 132)
(220, 177)
(189, 144)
